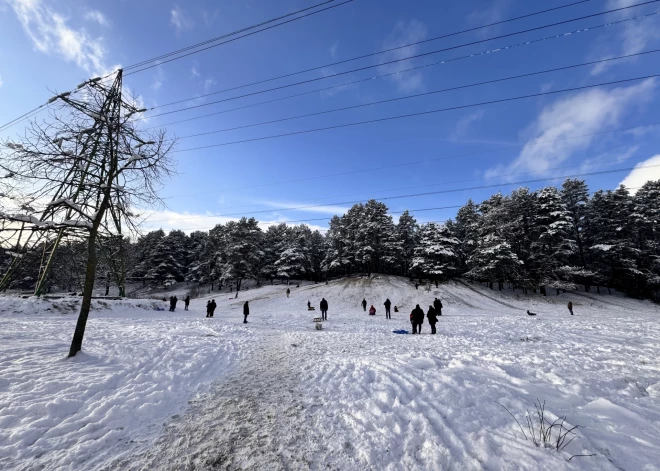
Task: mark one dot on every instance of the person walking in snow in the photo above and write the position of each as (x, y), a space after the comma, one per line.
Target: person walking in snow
(171, 303)
(387, 309)
(372, 310)
(432, 316)
(570, 307)
(186, 302)
(416, 285)
(309, 305)
(174, 301)
(208, 308)
(364, 305)
(246, 312)
(288, 292)
(418, 319)
(437, 305)
(324, 309)
(213, 306)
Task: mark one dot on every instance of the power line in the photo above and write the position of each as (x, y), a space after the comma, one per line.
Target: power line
(537, 141)
(405, 46)
(368, 79)
(454, 190)
(437, 51)
(417, 95)
(217, 38)
(420, 113)
(240, 37)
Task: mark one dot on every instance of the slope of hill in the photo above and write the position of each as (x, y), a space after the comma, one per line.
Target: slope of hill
(161, 390)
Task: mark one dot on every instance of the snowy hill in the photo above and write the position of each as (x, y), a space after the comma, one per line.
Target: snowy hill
(160, 390)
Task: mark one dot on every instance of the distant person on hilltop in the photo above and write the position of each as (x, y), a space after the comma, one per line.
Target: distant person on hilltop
(186, 303)
(437, 305)
(417, 319)
(246, 312)
(570, 307)
(432, 316)
(364, 305)
(387, 309)
(324, 309)
(372, 310)
(288, 292)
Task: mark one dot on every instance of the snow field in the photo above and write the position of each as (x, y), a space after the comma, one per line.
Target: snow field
(137, 369)
(277, 394)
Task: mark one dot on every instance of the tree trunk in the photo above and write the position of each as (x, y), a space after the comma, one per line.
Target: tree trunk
(90, 275)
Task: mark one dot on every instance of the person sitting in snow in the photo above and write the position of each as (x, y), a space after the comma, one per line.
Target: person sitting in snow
(372, 310)
(364, 305)
(246, 312)
(432, 316)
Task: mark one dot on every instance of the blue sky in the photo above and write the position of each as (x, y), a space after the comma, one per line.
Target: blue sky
(51, 45)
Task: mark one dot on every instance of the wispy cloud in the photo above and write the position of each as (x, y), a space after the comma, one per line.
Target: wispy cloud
(488, 15)
(334, 49)
(639, 175)
(51, 34)
(631, 37)
(210, 17)
(98, 17)
(180, 19)
(404, 33)
(159, 78)
(581, 114)
(465, 124)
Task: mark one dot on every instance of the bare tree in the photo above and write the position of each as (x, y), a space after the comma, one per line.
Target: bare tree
(81, 174)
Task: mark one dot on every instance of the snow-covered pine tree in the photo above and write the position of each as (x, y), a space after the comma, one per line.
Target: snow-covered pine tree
(645, 220)
(316, 253)
(493, 260)
(142, 251)
(274, 243)
(609, 236)
(436, 254)
(466, 228)
(406, 238)
(336, 260)
(240, 251)
(169, 259)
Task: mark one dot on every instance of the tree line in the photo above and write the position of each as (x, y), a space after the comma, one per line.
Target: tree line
(552, 238)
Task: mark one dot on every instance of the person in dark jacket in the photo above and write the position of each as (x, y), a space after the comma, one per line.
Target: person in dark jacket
(171, 303)
(437, 305)
(208, 308)
(364, 305)
(288, 292)
(417, 319)
(432, 316)
(246, 312)
(187, 303)
(372, 310)
(387, 309)
(212, 307)
(570, 307)
(324, 309)
(174, 300)
(309, 305)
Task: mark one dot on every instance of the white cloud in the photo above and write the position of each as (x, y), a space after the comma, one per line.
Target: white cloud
(159, 78)
(191, 222)
(631, 37)
(488, 15)
(51, 34)
(180, 19)
(589, 112)
(639, 175)
(306, 207)
(404, 33)
(98, 17)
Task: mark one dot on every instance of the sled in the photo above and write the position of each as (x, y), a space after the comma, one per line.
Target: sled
(531, 313)
(401, 331)
(318, 319)
(311, 308)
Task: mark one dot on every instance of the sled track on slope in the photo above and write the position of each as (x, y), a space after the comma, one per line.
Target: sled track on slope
(492, 298)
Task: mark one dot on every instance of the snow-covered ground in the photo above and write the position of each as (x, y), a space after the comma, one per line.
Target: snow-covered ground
(161, 390)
